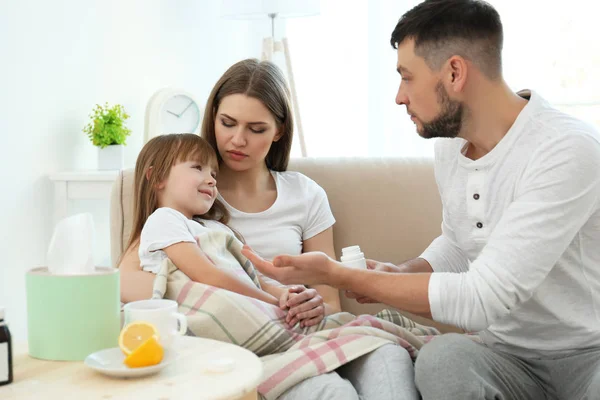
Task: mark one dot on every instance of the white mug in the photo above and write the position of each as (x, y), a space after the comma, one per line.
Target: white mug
(162, 314)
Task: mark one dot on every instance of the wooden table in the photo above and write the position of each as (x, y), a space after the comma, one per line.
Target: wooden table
(186, 378)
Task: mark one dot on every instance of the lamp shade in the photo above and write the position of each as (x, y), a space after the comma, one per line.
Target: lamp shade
(256, 9)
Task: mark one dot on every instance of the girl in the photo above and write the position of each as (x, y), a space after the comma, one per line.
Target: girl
(175, 203)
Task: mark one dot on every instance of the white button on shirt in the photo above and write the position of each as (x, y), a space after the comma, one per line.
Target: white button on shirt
(521, 263)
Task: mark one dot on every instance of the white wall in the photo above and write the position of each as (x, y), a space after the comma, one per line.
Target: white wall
(346, 58)
(346, 55)
(59, 58)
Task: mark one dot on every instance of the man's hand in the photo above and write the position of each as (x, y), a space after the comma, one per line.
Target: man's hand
(376, 266)
(311, 268)
(379, 266)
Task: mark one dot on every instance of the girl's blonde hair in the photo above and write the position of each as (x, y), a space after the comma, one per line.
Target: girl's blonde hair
(264, 81)
(153, 166)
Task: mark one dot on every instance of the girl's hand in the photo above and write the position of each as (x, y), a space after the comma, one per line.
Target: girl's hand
(305, 306)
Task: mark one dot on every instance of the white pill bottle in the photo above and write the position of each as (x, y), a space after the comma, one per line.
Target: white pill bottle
(352, 257)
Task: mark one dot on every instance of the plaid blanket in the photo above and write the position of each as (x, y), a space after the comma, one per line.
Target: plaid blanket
(289, 355)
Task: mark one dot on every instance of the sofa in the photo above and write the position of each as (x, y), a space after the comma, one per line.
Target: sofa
(390, 207)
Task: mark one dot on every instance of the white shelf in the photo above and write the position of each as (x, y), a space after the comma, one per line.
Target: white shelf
(80, 185)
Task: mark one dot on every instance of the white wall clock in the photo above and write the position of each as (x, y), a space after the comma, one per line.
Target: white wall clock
(172, 111)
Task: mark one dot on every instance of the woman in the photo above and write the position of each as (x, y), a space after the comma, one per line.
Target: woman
(248, 120)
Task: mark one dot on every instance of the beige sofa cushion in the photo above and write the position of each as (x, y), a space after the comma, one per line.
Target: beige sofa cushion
(389, 207)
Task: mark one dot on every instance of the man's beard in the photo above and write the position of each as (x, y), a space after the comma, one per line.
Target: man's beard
(448, 123)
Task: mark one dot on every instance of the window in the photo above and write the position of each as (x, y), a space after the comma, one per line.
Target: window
(345, 74)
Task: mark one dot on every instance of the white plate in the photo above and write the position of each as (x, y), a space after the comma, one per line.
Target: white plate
(110, 362)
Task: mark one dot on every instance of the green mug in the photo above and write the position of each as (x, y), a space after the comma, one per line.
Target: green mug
(72, 316)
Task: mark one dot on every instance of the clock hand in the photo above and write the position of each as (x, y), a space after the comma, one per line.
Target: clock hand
(171, 112)
(185, 109)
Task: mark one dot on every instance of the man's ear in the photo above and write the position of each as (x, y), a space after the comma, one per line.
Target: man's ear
(457, 72)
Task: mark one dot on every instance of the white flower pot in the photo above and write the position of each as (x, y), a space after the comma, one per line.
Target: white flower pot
(110, 157)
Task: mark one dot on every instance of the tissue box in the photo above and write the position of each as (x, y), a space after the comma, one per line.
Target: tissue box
(72, 316)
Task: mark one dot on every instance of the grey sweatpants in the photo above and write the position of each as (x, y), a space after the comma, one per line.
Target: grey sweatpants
(453, 366)
(384, 374)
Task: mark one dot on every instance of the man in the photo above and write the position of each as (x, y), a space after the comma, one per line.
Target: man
(518, 259)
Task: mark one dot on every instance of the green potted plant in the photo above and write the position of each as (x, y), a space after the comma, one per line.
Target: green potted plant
(107, 131)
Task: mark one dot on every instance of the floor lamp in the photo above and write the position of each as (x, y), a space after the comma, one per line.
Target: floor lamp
(274, 9)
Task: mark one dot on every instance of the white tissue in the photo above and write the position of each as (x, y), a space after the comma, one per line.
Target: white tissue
(71, 247)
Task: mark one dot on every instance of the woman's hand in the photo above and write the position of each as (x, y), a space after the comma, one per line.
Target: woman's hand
(305, 306)
(286, 294)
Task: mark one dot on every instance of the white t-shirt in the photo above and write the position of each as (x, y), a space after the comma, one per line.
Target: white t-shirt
(519, 254)
(166, 227)
(300, 212)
